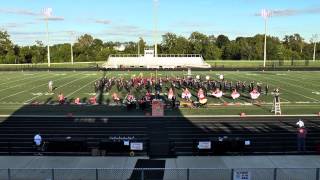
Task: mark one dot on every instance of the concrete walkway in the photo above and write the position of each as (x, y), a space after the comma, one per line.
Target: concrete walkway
(224, 162)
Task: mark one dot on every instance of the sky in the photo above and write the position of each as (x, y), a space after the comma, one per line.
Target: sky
(127, 20)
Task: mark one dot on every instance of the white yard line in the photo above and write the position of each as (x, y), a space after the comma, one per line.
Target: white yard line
(294, 91)
(59, 86)
(28, 82)
(26, 90)
(82, 87)
(285, 90)
(308, 89)
(20, 80)
(307, 77)
(299, 81)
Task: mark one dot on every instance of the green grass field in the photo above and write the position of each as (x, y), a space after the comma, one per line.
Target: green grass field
(300, 93)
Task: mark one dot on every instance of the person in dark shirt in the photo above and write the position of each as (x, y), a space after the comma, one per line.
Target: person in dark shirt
(276, 94)
(301, 139)
(266, 89)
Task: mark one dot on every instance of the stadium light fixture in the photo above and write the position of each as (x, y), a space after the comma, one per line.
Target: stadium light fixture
(265, 14)
(47, 12)
(314, 39)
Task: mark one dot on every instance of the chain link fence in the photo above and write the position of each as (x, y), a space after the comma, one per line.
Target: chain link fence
(160, 173)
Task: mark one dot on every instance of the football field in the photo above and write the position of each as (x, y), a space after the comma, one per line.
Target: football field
(300, 92)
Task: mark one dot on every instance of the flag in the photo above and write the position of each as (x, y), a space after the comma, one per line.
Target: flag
(47, 12)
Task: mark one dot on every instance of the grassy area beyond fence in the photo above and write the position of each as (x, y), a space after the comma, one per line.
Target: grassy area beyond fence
(259, 64)
(220, 64)
(58, 66)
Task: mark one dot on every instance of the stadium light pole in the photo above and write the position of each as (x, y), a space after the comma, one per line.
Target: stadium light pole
(47, 12)
(314, 40)
(265, 14)
(71, 46)
(139, 47)
(155, 19)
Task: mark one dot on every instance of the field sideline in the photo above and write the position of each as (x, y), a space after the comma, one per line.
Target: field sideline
(300, 91)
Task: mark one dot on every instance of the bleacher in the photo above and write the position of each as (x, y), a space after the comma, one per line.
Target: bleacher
(149, 60)
(177, 136)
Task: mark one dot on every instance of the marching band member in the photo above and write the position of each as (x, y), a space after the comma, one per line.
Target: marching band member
(235, 94)
(202, 97)
(115, 98)
(130, 101)
(77, 101)
(148, 96)
(259, 87)
(50, 86)
(217, 93)
(207, 78)
(266, 89)
(130, 98)
(221, 77)
(254, 94)
(170, 94)
(61, 98)
(276, 94)
(93, 100)
(186, 95)
(201, 94)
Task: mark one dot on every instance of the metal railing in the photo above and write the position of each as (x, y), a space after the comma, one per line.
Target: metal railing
(159, 55)
(160, 173)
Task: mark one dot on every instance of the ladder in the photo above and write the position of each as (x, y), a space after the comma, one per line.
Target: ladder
(276, 108)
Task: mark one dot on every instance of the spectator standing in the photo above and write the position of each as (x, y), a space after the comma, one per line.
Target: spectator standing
(37, 139)
(301, 137)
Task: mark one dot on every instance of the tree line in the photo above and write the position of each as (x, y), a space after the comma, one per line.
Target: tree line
(87, 48)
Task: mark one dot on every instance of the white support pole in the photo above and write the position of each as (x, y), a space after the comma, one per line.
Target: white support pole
(314, 51)
(155, 19)
(265, 43)
(71, 53)
(71, 47)
(139, 48)
(48, 46)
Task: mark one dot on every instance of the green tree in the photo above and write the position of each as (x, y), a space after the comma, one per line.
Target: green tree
(83, 50)
(6, 48)
(222, 41)
(142, 45)
(173, 44)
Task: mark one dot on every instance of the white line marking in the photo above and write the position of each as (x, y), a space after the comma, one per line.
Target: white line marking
(316, 92)
(30, 89)
(294, 91)
(81, 87)
(306, 77)
(296, 85)
(57, 87)
(28, 78)
(28, 82)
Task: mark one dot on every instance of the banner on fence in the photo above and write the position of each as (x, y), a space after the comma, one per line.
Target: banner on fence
(241, 175)
(204, 145)
(136, 146)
